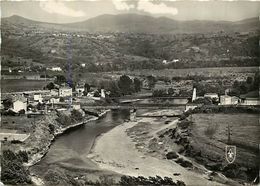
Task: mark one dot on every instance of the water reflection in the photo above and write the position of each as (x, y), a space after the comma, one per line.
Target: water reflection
(72, 147)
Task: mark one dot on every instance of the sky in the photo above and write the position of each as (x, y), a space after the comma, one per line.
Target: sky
(57, 11)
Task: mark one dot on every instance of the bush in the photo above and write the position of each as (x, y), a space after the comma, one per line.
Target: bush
(140, 180)
(51, 128)
(105, 181)
(13, 171)
(23, 156)
(171, 155)
(183, 162)
(76, 115)
(184, 124)
(63, 119)
(53, 177)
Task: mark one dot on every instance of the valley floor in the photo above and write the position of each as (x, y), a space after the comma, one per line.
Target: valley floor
(127, 149)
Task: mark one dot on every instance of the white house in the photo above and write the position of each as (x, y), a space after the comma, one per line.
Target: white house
(228, 100)
(19, 105)
(37, 97)
(65, 92)
(56, 69)
(76, 106)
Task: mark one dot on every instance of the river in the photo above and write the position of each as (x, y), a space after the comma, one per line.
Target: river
(70, 149)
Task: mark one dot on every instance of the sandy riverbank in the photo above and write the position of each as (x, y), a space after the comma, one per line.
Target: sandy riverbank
(116, 151)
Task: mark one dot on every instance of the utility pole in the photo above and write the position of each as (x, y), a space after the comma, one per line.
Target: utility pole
(229, 133)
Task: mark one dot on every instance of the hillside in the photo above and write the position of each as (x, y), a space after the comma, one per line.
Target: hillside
(146, 24)
(119, 48)
(142, 24)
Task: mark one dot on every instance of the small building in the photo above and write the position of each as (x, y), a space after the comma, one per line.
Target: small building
(54, 92)
(228, 100)
(76, 106)
(38, 98)
(19, 105)
(65, 92)
(56, 69)
(54, 100)
(211, 95)
(250, 101)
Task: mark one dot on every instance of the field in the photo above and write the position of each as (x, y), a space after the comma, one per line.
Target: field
(207, 72)
(210, 135)
(17, 85)
(20, 123)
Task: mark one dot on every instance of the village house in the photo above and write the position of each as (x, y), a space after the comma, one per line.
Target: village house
(37, 98)
(228, 100)
(76, 106)
(20, 104)
(65, 92)
(55, 69)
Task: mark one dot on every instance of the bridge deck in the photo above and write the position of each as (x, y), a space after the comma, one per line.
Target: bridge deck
(134, 106)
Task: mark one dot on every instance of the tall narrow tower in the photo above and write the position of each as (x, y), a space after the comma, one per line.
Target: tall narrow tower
(103, 95)
(194, 95)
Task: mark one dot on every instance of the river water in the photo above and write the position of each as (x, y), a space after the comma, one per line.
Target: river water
(71, 148)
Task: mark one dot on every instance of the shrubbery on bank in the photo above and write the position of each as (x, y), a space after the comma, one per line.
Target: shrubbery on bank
(13, 172)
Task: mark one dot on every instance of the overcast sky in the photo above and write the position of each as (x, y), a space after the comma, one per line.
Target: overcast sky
(73, 11)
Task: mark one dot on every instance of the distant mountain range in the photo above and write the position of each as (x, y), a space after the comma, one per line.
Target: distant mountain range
(136, 23)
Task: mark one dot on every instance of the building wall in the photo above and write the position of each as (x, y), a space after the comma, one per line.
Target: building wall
(19, 105)
(65, 92)
(37, 97)
(76, 107)
(54, 100)
(225, 100)
(251, 102)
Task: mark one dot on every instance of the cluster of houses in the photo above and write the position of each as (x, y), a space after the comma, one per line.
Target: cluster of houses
(44, 101)
(229, 100)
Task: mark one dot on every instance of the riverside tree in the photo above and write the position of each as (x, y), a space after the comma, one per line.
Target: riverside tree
(125, 84)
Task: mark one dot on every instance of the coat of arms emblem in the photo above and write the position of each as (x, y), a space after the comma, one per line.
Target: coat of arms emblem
(230, 153)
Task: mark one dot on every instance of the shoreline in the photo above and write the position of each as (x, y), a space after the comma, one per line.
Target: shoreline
(117, 151)
(58, 133)
(38, 156)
